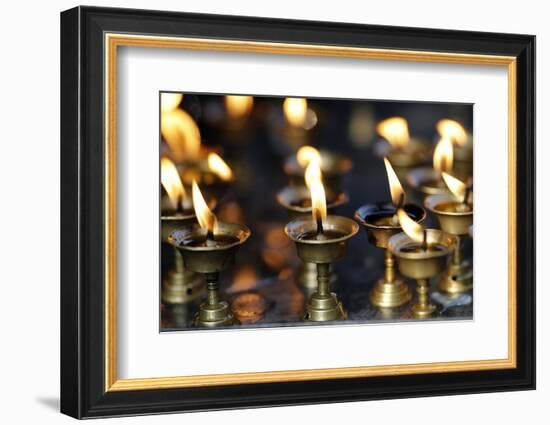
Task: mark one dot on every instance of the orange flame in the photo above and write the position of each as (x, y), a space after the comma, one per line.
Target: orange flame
(395, 130)
(295, 109)
(205, 217)
(306, 154)
(313, 174)
(239, 106)
(396, 190)
(456, 186)
(413, 230)
(453, 130)
(219, 167)
(181, 133)
(170, 180)
(317, 191)
(170, 101)
(443, 155)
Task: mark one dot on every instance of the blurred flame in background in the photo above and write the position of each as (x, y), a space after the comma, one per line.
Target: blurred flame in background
(395, 130)
(238, 106)
(443, 155)
(453, 130)
(219, 167)
(179, 129)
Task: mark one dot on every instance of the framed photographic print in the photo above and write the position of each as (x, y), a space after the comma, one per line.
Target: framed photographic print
(261, 212)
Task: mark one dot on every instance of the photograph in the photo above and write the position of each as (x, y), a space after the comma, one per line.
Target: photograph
(292, 211)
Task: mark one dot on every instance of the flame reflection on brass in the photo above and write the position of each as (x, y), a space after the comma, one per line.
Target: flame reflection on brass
(395, 130)
(238, 106)
(170, 180)
(219, 167)
(443, 155)
(182, 134)
(453, 130)
(396, 190)
(205, 217)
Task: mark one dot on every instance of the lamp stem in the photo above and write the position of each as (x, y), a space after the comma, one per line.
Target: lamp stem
(212, 282)
(423, 290)
(457, 254)
(389, 266)
(323, 278)
(178, 261)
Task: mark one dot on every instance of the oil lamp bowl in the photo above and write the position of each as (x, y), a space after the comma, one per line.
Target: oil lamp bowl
(416, 152)
(169, 222)
(291, 196)
(209, 259)
(378, 234)
(422, 264)
(427, 181)
(334, 247)
(332, 165)
(453, 222)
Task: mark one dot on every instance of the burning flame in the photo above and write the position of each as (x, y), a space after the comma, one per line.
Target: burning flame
(295, 109)
(181, 133)
(396, 190)
(453, 130)
(456, 186)
(318, 200)
(313, 174)
(218, 166)
(413, 230)
(170, 180)
(170, 101)
(238, 106)
(443, 155)
(306, 154)
(395, 130)
(205, 217)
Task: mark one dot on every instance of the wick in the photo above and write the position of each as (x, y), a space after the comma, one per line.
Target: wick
(424, 240)
(319, 220)
(209, 235)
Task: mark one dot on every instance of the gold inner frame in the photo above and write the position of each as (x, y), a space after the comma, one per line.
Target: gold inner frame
(113, 41)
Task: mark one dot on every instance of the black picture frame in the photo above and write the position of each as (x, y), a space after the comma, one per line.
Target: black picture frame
(83, 392)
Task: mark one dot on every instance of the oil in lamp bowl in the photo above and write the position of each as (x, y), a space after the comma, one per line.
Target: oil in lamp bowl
(417, 263)
(337, 231)
(376, 219)
(201, 257)
(447, 209)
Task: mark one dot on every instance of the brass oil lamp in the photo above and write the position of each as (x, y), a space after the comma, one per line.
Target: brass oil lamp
(402, 150)
(381, 223)
(427, 180)
(297, 201)
(179, 285)
(321, 239)
(209, 248)
(454, 212)
(333, 166)
(421, 254)
(463, 145)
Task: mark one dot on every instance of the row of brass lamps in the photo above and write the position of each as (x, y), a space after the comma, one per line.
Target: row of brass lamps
(205, 246)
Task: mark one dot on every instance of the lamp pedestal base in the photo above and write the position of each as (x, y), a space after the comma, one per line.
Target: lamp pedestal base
(181, 286)
(323, 305)
(390, 294)
(214, 312)
(423, 307)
